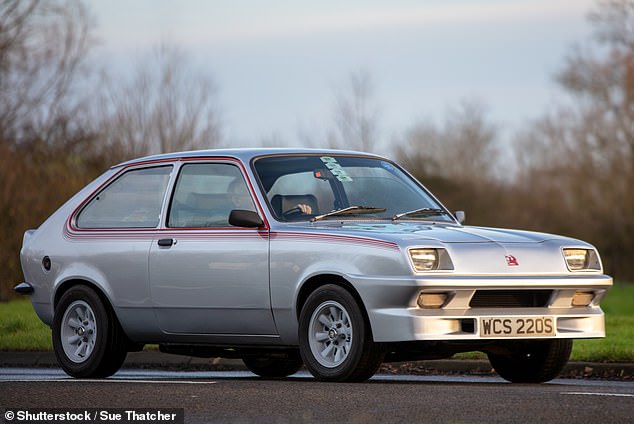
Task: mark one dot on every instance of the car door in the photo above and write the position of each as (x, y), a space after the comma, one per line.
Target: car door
(113, 232)
(206, 276)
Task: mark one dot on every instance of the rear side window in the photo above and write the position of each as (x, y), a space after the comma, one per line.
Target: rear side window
(133, 200)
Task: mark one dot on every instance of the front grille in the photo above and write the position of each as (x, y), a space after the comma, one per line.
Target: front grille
(510, 298)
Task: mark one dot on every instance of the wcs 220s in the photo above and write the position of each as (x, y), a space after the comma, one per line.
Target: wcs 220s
(334, 260)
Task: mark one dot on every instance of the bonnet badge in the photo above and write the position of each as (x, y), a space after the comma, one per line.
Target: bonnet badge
(511, 260)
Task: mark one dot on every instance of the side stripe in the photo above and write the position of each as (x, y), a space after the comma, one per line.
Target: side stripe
(334, 238)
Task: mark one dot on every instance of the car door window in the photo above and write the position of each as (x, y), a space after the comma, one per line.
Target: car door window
(206, 193)
(133, 200)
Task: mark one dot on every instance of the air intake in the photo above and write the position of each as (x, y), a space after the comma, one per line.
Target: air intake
(510, 298)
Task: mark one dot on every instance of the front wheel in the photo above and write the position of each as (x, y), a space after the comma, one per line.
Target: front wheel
(532, 362)
(334, 339)
(87, 338)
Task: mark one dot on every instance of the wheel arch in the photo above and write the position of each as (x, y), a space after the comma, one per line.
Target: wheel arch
(73, 282)
(100, 292)
(320, 280)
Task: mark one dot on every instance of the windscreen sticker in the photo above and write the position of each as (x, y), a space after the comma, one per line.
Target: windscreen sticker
(335, 168)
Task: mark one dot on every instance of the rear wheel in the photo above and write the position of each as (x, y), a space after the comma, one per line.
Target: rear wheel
(87, 338)
(273, 367)
(532, 362)
(335, 340)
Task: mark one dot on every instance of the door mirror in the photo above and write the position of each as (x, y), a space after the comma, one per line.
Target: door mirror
(243, 218)
(460, 216)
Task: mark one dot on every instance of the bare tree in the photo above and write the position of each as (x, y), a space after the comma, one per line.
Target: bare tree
(355, 115)
(58, 129)
(457, 160)
(43, 50)
(578, 162)
(462, 149)
(166, 106)
(45, 142)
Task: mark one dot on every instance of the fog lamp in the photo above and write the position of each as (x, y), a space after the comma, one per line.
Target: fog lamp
(432, 300)
(582, 298)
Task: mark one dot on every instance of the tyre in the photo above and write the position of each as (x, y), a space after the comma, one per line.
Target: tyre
(532, 362)
(335, 340)
(271, 367)
(87, 338)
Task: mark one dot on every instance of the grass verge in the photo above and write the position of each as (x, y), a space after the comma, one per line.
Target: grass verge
(21, 330)
(618, 345)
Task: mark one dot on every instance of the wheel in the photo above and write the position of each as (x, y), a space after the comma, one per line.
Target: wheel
(292, 212)
(532, 362)
(87, 338)
(334, 339)
(271, 367)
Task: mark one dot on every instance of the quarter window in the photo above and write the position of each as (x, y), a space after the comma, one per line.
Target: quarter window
(133, 200)
(206, 193)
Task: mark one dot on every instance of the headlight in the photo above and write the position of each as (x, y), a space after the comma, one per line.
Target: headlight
(430, 259)
(582, 259)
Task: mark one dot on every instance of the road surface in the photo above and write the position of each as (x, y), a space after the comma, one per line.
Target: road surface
(239, 396)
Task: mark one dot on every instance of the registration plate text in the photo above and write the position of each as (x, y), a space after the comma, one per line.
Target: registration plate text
(517, 327)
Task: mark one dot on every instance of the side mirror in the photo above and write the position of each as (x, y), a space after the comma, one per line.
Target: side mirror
(460, 216)
(243, 218)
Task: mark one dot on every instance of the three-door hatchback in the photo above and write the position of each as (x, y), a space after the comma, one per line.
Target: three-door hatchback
(335, 260)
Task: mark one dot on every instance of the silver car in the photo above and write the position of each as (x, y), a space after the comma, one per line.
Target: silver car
(335, 260)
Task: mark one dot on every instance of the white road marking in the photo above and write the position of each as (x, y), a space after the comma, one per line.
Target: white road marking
(73, 380)
(598, 394)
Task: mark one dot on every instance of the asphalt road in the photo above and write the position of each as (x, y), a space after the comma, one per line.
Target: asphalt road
(241, 397)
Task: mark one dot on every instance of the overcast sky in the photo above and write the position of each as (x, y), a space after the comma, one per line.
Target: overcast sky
(278, 63)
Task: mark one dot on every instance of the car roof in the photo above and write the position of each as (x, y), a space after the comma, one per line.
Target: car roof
(243, 154)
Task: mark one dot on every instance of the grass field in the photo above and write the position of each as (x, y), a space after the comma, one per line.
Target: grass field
(21, 330)
(618, 345)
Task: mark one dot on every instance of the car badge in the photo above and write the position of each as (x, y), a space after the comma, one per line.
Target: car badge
(511, 260)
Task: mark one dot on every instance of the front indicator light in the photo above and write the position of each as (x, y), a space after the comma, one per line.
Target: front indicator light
(581, 259)
(582, 298)
(432, 300)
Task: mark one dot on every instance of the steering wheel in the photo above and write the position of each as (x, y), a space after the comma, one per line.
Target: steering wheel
(292, 212)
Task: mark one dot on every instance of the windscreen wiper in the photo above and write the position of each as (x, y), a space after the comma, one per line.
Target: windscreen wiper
(421, 211)
(350, 210)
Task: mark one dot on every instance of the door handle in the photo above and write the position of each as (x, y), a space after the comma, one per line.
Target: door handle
(166, 242)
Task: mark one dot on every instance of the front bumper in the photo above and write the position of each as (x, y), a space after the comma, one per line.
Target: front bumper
(395, 316)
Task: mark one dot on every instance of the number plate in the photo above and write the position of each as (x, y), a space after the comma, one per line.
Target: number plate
(517, 326)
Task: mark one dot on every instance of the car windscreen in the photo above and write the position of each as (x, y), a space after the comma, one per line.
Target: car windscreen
(373, 188)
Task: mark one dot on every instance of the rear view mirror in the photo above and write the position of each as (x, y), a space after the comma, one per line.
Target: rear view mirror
(322, 174)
